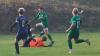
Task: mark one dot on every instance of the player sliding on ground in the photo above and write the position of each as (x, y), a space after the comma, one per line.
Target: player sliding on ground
(23, 28)
(42, 17)
(36, 42)
(73, 30)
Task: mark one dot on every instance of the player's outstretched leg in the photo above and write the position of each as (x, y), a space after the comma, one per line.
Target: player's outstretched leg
(49, 36)
(81, 40)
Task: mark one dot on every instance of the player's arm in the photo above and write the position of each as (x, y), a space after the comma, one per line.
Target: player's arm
(71, 27)
(80, 12)
(12, 26)
(34, 18)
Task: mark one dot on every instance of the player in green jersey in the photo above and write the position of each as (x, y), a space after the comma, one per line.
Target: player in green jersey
(42, 17)
(73, 30)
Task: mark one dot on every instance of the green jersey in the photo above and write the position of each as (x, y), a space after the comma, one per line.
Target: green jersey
(42, 17)
(76, 21)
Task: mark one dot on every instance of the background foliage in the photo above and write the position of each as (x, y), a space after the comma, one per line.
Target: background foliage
(59, 12)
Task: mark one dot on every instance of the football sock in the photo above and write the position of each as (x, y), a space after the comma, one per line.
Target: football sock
(70, 44)
(79, 41)
(17, 48)
(50, 38)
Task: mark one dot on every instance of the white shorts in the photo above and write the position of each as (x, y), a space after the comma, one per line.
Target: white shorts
(45, 30)
(39, 24)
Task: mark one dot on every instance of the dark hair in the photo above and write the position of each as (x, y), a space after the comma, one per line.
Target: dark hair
(44, 38)
(40, 7)
(21, 12)
(75, 12)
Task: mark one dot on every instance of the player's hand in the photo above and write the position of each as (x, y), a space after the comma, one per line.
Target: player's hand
(81, 11)
(66, 31)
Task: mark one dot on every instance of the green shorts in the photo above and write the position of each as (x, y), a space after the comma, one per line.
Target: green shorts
(73, 34)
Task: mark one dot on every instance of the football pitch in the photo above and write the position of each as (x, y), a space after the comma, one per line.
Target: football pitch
(60, 47)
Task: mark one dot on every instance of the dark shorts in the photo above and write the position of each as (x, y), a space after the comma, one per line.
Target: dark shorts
(21, 35)
(74, 35)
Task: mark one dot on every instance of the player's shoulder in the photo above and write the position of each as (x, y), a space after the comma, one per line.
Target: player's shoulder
(75, 17)
(22, 17)
(17, 18)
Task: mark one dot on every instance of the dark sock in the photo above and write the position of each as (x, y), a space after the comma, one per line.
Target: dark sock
(17, 48)
(49, 36)
(70, 44)
(79, 41)
(41, 34)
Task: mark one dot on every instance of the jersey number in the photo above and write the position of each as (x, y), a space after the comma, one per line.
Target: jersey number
(23, 23)
(78, 23)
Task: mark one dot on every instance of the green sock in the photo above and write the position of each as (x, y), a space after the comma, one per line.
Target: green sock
(49, 36)
(79, 41)
(70, 44)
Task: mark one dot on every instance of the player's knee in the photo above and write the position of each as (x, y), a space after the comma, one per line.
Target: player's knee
(46, 33)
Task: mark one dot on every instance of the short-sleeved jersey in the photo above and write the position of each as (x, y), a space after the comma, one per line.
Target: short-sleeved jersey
(42, 17)
(22, 23)
(76, 21)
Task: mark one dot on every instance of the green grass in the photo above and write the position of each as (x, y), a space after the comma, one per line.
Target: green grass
(60, 47)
